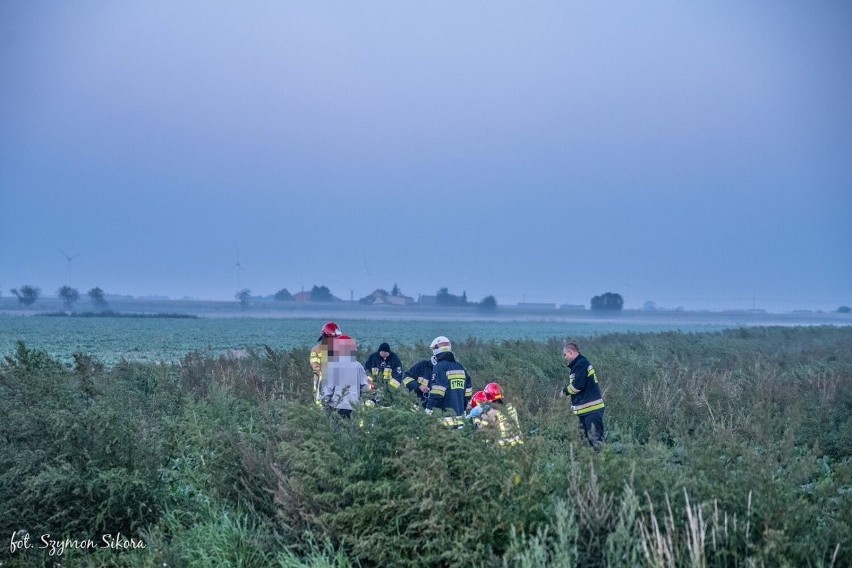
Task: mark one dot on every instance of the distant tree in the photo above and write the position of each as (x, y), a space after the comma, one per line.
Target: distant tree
(608, 302)
(649, 306)
(27, 295)
(68, 295)
(243, 296)
(844, 310)
(96, 295)
(444, 298)
(321, 294)
(488, 303)
(463, 300)
(395, 290)
(283, 295)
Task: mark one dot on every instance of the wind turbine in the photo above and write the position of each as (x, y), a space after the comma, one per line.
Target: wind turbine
(239, 268)
(69, 258)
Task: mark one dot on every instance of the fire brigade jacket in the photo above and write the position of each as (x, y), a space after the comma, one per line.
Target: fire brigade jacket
(583, 387)
(451, 386)
(501, 415)
(319, 362)
(508, 425)
(385, 369)
(418, 375)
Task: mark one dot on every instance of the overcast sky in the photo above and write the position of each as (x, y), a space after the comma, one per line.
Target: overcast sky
(695, 154)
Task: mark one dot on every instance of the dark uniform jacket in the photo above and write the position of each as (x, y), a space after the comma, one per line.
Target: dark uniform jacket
(451, 386)
(583, 387)
(418, 375)
(384, 369)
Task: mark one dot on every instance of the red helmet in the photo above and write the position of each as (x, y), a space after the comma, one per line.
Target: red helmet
(493, 392)
(478, 398)
(330, 329)
(343, 345)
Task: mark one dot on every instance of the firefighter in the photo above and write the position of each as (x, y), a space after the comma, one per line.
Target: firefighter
(501, 416)
(479, 398)
(450, 385)
(384, 367)
(586, 398)
(477, 406)
(319, 357)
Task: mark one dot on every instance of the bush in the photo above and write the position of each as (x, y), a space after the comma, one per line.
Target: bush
(731, 448)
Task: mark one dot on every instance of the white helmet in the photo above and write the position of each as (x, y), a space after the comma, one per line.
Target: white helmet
(440, 345)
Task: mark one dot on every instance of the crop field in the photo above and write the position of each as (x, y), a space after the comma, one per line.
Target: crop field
(169, 339)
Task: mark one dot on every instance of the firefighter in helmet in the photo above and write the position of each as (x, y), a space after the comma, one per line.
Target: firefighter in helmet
(450, 385)
(500, 416)
(319, 357)
(477, 406)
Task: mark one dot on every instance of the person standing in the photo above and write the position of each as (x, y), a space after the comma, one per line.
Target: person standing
(345, 380)
(319, 356)
(586, 398)
(451, 387)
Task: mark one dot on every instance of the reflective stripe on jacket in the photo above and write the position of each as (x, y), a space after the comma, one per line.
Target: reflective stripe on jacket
(583, 387)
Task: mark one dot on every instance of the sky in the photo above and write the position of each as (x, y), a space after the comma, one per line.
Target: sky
(694, 154)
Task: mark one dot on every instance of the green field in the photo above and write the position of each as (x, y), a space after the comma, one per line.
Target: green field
(725, 448)
(134, 339)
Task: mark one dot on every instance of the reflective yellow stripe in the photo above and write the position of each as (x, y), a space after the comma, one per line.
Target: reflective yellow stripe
(572, 390)
(394, 383)
(455, 375)
(407, 381)
(587, 409)
(452, 421)
(438, 390)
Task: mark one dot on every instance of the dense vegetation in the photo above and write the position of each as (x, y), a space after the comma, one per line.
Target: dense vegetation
(725, 449)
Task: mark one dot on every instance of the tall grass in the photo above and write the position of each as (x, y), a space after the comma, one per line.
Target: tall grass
(724, 449)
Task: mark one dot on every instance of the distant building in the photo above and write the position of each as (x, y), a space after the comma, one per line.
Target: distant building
(381, 297)
(426, 300)
(302, 296)
(572, 307)
(537, 305)
(305, 297)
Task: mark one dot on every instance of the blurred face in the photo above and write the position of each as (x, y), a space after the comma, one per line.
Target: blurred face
(344, 346)
(384, 354)
(569, 354)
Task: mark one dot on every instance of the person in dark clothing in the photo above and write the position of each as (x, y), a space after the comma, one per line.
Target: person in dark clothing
(417, 379)
(586, 398)
(384, 364)
(451, 387)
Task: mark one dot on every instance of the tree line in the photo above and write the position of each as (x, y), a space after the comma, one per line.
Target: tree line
(28, 295)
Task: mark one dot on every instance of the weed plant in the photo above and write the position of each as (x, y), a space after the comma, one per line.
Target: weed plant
(724, 449)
